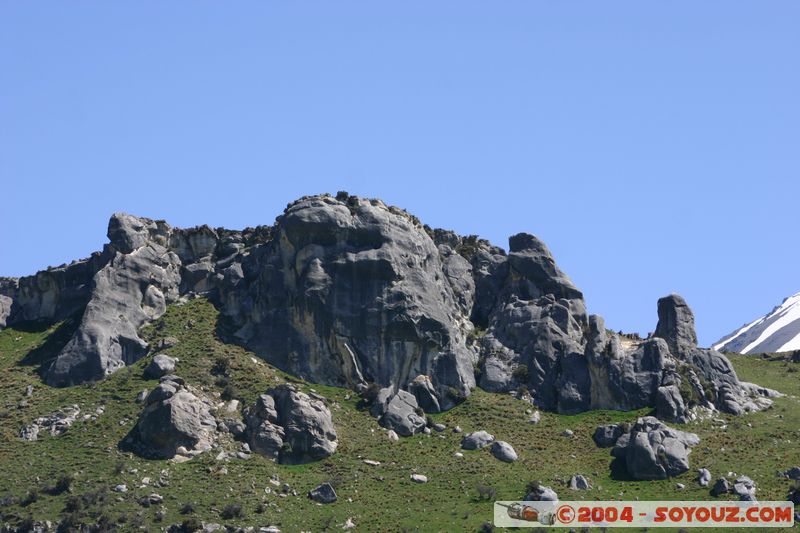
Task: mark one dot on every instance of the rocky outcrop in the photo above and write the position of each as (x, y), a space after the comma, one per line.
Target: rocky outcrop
(676, 324)
(146, 265)
(652, 450)
(175, 419)
(352, 292)
(290, 427)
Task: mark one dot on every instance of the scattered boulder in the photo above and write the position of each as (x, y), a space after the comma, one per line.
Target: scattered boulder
(439, 427)
(161, 365)
(392, 435)
(174, 417)
(745, 488)
(540, 493)
(56, 423)
(536, 416)
(568, 433)
(476, 440)
(398, 411)
(653, 450)
(606, 436)
(291, 427)
(323, 493)
(721, 486)
(579, 482)
(419, 478)
(703, 477)
(792, 473)
(142, 396)
(504, 451)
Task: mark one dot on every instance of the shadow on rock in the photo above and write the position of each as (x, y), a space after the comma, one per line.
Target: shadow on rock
(44, 354)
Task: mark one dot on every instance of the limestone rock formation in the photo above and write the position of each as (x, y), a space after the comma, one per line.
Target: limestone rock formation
(174, 418)
(652, 450)
(289, 426)
(351, 292)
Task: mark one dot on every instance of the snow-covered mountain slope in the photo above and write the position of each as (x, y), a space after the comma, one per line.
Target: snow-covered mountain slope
(778, 331)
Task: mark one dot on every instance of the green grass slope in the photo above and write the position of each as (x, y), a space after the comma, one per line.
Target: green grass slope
(377, 498)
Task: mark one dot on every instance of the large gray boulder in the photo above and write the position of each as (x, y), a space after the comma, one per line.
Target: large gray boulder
(745, 488)
(174, 417)
(476, 440)
(652, 450)
(161, 365)
(606, 436)
(398, 411)
(290, 426)
(503, 451)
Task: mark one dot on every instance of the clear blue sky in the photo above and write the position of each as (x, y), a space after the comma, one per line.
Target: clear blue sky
(655, 146)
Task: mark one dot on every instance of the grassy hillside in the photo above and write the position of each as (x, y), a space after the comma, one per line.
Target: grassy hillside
(376, 498)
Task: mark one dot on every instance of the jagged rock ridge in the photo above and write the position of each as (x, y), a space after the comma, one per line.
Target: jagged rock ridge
(349, 291)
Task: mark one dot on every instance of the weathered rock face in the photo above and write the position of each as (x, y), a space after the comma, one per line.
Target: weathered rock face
(347, 291)
(350, 291)
(652, 450)
(173, 417)
(131, 290)
(676, 324)
(291, 427)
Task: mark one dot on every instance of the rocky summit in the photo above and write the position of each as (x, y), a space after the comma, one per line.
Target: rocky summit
(350, 292)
